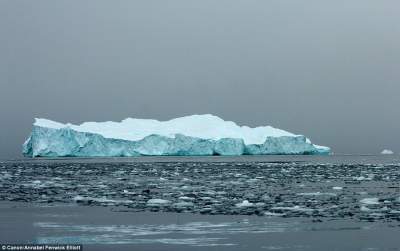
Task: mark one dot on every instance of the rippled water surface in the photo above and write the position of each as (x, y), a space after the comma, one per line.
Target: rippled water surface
(366, 188)
(287, 194)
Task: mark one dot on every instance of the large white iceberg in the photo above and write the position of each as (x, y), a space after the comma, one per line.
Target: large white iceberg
(185, 136)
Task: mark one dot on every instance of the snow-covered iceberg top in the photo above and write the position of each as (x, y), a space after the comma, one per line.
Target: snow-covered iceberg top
(199, 126)
(190, 135)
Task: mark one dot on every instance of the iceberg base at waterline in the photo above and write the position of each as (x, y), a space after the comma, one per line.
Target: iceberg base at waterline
(196, 135)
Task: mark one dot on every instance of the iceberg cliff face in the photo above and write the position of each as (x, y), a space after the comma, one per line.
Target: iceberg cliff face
(187, 136)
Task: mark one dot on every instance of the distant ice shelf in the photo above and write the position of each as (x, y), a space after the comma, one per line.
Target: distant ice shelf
(194, 135)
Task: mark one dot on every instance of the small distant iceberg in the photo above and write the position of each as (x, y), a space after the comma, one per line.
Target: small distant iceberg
(387, 151)
(193, 135)
(244, 203)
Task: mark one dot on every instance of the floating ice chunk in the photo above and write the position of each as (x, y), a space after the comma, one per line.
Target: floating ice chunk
(157, 202)
(294, 208)
(370, 201)
(183, 204)
(317, 194)
(78, 198)
(5, 175)
(361, 178)
(186, 198)
(273, 214)
(266, 197)
(186, 188)
(386, 151)
(337, 188)
(82, 199)
(128, 192)
(245, 203)
(206, 198)
(365, 209)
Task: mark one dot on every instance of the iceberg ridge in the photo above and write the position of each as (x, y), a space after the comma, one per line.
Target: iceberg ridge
(194, 135)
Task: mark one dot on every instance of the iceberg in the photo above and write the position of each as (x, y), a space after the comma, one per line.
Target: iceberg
(195, 135)
(387, 151)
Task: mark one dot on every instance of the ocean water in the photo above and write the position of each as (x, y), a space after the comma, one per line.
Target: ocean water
(227, 203)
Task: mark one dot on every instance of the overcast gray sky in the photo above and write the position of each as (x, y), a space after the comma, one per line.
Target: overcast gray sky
(327, 69)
